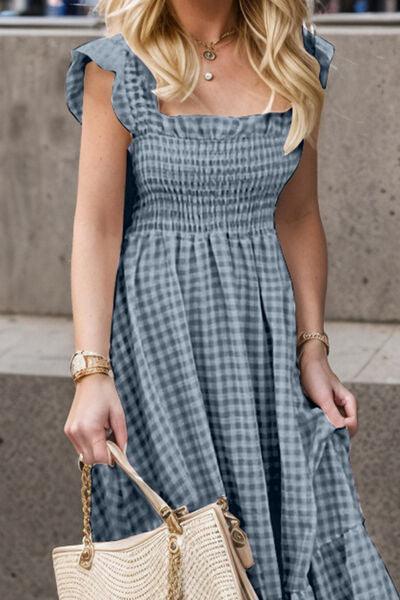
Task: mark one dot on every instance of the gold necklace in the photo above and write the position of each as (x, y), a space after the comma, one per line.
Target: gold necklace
(210, 53)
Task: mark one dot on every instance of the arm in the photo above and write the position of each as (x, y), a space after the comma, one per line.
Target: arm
(97, 233)
(303, 242)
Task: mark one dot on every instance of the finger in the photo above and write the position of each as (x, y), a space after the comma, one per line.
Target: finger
(118, 425)
(81, 444)
(349, 404)
(332, 413)
(86, 448)
(93, 442)
(87, 454)
(351, 411)
(101, 453)
(71, 433)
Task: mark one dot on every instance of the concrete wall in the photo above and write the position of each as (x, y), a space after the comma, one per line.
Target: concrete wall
(359, 172)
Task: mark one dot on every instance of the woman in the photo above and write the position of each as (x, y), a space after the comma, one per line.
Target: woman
(180, 279)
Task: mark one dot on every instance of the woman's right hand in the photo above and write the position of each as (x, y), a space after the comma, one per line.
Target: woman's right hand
(95, 409)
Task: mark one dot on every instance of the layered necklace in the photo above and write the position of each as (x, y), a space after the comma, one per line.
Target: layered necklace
(210, 54)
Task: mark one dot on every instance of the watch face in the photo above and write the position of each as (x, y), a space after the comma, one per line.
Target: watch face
(78, 363)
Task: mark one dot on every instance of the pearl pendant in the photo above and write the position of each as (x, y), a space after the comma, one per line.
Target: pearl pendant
(208, 76)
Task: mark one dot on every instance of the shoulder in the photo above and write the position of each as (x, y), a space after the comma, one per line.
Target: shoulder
(110, 53)
(321, 48)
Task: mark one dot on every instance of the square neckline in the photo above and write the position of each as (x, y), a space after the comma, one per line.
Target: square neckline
(198, 116)
(213, 116)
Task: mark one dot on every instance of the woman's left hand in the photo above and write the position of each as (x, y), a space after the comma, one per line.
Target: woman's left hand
(324, 388)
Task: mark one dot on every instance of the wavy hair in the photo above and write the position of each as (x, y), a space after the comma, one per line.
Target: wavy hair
(271, 31)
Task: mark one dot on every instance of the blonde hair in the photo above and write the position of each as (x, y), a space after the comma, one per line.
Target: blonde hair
(271, 31)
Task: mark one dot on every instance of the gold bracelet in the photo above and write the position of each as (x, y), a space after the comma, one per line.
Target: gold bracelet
(305, 336)
(83, 361)
(90, 371)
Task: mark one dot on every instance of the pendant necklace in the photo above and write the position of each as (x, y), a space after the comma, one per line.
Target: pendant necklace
(210, 53)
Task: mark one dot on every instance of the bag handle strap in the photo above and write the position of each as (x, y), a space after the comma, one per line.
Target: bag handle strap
(158, 504)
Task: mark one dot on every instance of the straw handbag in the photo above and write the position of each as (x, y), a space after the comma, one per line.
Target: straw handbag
(199, 555)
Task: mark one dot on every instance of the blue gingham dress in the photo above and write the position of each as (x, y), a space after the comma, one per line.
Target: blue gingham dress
(203, 345)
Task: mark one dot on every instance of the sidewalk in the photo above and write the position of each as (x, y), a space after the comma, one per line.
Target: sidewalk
(360, 352)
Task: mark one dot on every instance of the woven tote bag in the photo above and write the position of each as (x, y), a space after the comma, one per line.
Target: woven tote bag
(199, 555)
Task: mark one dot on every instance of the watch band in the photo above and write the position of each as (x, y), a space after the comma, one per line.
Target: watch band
(85, 362)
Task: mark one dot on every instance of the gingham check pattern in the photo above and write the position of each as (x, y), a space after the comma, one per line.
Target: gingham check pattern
(203, 346)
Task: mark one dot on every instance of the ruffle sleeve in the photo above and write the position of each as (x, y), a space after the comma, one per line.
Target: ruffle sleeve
(109, 53)
(322, 49)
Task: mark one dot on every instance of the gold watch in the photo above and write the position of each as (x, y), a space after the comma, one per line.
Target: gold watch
(85, 362)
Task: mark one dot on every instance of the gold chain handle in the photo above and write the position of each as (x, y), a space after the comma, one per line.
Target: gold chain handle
(86, 557)
(174, 567)
(174, 546)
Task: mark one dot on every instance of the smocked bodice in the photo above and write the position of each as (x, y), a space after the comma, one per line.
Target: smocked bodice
(194, 173)
(207, 183)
